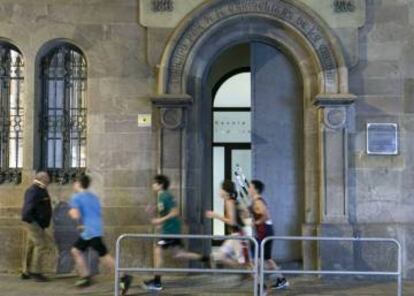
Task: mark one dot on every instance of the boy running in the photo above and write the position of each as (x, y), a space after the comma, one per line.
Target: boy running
(263, 228)
(86, 208)
(170, 224)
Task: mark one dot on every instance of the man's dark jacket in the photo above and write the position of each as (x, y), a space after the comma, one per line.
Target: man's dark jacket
(37, 206)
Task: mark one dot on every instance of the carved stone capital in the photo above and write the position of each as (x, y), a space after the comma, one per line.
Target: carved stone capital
(334, 100)
(172, 109)
(334, 108)
(172, 101)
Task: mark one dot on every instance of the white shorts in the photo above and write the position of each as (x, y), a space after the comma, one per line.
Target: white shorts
(230, 250)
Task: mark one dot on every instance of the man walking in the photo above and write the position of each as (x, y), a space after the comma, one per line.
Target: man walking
(86, 209)
(36, 213)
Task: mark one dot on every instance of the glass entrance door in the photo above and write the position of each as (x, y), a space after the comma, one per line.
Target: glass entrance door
(228, 159)
(232, 136)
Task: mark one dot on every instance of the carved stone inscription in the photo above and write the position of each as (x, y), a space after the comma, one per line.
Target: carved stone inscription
(343, 6)
(162, 5)
(220, 10)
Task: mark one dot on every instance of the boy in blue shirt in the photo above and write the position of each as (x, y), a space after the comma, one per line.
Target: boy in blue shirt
(86, 208)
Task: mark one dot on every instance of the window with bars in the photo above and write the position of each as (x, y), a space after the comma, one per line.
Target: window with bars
(11, 113)
(63, 114)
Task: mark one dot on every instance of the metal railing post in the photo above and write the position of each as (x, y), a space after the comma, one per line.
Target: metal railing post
(259, 271)
(262, 269)
(253, 270)
(400, 285)
(256, 282)
(397, 273)
(117, 259)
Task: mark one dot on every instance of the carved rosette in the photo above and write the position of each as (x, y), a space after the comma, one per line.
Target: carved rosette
(172, 109)
(172, 118)
(335, 117)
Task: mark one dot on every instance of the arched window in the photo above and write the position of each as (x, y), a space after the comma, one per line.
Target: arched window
(11, 113)
(63, 114)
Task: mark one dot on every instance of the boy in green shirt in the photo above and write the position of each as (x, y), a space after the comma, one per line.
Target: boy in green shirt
(169, 222)
(167, 208)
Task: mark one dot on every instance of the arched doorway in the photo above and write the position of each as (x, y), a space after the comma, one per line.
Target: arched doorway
(303, 39)
(258, 130)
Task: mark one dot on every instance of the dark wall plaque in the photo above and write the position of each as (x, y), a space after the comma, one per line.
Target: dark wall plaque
(382, 139)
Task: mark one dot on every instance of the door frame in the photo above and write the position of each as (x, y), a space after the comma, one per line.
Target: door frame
(228, 148)
(228, 173)
(202, 36)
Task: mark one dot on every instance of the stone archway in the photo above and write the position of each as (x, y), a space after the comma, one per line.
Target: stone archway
(310, 30)
(308, 41)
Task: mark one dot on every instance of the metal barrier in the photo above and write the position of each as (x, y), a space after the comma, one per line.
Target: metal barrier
(397, 273)
(254, 270)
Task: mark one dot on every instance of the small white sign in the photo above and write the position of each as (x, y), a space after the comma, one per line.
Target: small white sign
(144, 120)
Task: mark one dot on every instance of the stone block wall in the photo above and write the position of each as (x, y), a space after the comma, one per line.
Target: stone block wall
(120, 155)
(381, 80)
(381, 199)
(122, 59)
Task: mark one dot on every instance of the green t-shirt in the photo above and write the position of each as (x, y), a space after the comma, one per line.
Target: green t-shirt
(166, 203)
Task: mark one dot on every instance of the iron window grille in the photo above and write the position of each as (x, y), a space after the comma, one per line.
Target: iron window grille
(11, 114)
(63, 114)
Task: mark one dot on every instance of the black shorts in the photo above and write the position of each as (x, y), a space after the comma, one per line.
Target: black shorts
(169, 243)
(95, 243)
(267, 250)
(263, 231)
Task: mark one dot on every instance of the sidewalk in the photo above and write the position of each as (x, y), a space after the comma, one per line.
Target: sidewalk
(203, 285)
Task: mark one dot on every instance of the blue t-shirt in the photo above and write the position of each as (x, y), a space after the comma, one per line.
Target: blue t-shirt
(89, 207)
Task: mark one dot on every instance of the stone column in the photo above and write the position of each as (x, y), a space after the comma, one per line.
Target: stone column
(336, 119)
(169, 115)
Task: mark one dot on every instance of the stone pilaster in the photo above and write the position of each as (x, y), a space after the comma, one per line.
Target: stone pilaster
(169, 113)
(335, 120)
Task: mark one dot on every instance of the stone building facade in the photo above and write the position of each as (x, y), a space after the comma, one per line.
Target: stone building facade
(157, 60)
